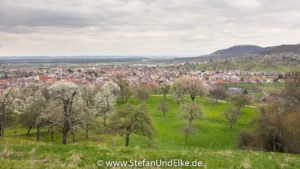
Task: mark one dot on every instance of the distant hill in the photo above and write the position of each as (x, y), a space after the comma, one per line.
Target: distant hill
(237, 51)
(241, 50)
(283, 58)
(282, 49)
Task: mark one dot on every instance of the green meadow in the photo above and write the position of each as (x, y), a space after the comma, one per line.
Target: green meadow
(214, 144)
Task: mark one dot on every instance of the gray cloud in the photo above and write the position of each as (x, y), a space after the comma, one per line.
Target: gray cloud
(39, 27)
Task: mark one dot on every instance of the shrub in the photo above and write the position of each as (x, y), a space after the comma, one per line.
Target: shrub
(278, 127)
(279, 131)
(291, 132)
(247, 140)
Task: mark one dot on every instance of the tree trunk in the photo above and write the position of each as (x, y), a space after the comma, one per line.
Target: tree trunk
(127, 139)
(0, 130)
(122, 99)
(87, 131)
(193, 98)
(51, 132)
(38, 132)
(65, 133)
(185, 139)
(190, 122)
(73, 134)
(2, 127)
(104, 121)
(230, 125)
(164, 96)
(29, 129)
(216, 101)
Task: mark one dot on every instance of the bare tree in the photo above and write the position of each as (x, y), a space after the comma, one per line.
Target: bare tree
(192, 86)
(127, 93)
(7, 106)
(177, 92)
(165, 89)
(218, 92)
(143, 91)
(239, 100)
(163, 107)
(190, 111)
(188, 130)
(133, 119)
(232, 115)
(125, 90)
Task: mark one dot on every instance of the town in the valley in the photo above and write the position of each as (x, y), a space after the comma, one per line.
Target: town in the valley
(135, 74)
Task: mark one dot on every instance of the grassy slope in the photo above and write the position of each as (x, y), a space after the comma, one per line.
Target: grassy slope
(214, 144)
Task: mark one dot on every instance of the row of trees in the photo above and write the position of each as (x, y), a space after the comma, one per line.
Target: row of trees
(67, 107)
(181, 86)
(63, 105)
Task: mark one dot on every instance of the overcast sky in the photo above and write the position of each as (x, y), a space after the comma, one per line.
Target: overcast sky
(143, 27)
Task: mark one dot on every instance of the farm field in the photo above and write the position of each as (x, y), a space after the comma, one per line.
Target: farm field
(214, 144)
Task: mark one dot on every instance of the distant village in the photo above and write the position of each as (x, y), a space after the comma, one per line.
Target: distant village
(152, 74)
